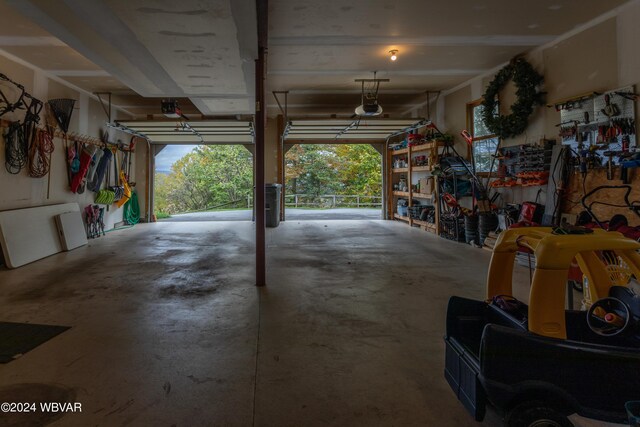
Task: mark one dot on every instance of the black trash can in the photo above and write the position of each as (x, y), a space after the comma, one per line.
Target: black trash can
(272, 204)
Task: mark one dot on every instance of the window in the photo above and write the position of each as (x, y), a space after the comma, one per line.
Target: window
(484, 142)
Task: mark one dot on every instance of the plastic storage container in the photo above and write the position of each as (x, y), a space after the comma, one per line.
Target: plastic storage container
(633, 411)
(402, 209)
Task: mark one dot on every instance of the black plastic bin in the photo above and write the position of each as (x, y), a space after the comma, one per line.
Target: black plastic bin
(272, 204)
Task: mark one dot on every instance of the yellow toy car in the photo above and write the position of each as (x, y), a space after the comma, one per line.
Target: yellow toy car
(540, 363)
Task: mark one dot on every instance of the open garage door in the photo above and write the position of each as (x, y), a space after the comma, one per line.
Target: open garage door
(200, 170)
(335, 183)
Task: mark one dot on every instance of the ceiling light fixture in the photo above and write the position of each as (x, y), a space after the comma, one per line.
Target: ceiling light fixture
(394, 55)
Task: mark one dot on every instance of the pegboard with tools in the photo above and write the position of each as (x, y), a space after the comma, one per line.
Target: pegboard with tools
(600, 128)
(525, 165)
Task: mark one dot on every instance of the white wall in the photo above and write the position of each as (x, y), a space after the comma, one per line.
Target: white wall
(20, 191)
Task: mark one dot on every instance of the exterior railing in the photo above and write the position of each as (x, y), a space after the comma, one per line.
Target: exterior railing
(328, 201)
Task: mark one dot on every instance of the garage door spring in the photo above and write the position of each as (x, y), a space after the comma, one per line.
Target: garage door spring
(40, 154)
(16, 148)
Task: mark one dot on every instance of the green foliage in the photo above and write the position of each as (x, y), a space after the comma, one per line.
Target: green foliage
(527, 81)
(208, 176)
(310, 170)
(215, 175)
(341, 169)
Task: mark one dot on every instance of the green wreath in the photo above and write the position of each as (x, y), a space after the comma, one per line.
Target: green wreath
(527, 81)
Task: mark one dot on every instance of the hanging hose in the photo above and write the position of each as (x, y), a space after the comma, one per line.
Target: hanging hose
(40, 154)
(131, 213)
(16, 148)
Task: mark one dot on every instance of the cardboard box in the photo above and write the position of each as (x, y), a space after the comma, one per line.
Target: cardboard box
(427, 185)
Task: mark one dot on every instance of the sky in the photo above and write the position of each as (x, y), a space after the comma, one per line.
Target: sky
(169, 155)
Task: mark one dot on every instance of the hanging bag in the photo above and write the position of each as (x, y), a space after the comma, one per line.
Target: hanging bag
(95, 184)
(93, 167)
(77, 181)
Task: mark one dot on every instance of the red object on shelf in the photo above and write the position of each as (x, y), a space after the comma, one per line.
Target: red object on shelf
(414, 139)
(531, 212)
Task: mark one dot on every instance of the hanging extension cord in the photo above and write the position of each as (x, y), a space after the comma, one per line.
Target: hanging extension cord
(16, 148)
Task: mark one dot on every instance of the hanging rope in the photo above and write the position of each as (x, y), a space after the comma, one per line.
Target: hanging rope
(40, 154)
(15, 149)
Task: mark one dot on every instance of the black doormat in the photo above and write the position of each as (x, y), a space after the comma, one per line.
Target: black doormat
(18, 338)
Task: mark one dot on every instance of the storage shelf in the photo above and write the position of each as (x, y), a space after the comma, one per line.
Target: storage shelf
(400, 217)
(398, 152)
(422, 196)
(422, 168)
(429, 150)
(424, 147)
(431, 228)
(426, 226)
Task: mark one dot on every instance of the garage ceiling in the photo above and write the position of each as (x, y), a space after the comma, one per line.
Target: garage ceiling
(202, 51)
(195, 49)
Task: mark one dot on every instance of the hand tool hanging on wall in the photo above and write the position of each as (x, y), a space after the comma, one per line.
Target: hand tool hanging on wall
(31, 118)
(610, 155)
(610, 110)
(132, 146)
(482, 190)
(118, 190)
(62, 110)
(69, 155)
(583, 155)
(126, 193)
(628, 95)
(50, 126)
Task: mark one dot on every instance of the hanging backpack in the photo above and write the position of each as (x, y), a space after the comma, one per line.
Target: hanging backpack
(95, 184)
(93, 167)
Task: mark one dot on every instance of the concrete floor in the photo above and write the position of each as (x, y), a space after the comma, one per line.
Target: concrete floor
(293, 214)
(169, 330)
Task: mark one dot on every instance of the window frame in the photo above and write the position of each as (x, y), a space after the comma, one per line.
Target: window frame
(470, 107)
